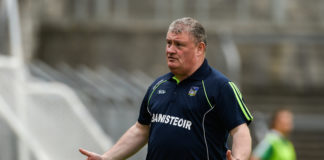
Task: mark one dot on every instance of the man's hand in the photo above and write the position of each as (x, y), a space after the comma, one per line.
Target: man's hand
(132, 141)
(91, 155)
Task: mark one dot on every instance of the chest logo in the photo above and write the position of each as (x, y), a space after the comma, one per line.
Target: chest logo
(193, 91)
(161, 91)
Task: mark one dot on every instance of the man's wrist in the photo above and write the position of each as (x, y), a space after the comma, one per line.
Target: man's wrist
(109, 157)
(105, 157)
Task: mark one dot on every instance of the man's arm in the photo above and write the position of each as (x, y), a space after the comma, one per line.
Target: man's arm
(132, 141)
(242, 143)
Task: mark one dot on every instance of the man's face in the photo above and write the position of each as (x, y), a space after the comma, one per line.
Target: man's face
(181, 52)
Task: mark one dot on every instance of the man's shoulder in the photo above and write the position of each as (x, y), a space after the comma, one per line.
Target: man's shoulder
(161, 79)
(272, 136)
(215, 82)
(216, 77)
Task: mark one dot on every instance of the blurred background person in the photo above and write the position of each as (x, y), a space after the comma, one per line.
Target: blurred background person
(276, 145)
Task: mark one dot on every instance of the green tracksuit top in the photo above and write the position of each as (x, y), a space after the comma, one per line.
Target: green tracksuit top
(275, 147)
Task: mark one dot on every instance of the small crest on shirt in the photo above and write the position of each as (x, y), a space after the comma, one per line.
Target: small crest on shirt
(161, 91)
(193, 91)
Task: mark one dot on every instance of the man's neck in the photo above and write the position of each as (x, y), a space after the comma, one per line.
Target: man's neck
(182, 77)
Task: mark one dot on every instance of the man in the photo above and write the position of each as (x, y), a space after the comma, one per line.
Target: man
(189, 112)
(276, 146)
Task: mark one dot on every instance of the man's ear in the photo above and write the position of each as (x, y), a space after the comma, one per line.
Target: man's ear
(201, 48)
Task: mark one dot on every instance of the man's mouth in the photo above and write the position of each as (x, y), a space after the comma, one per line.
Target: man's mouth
(171, 58)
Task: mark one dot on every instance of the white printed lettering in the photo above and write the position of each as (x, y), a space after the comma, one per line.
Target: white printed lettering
(175, 121)
(153, 118)
(180, 122)
(167, 119)
(171, 120)
(161, 118)
(188, 125)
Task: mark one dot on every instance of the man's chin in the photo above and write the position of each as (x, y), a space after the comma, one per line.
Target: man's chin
(174, 69)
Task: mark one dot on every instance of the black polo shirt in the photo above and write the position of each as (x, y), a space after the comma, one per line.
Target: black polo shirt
(192, 119)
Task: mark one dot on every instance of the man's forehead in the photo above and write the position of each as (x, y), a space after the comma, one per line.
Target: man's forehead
(178, 35)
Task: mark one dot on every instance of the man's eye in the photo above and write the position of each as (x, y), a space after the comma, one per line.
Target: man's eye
(178, 44)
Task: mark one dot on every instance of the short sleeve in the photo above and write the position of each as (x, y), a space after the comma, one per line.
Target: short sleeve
(231, 107)
(144, 115)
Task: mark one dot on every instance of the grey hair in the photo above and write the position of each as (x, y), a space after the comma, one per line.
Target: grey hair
(190, 25)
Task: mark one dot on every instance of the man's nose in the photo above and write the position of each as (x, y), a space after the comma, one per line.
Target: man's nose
(170, 49)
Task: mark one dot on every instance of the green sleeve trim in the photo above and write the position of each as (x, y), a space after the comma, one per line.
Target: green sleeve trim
(154, 88)
(202, 81)
(239, 99)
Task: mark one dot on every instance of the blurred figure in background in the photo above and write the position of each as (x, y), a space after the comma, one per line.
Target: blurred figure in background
(276, 145)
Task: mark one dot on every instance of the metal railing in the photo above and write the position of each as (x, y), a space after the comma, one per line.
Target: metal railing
(113, 97)
(16, 104)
